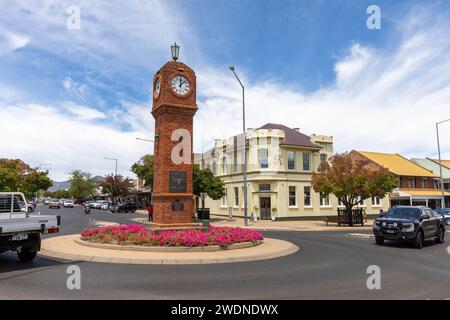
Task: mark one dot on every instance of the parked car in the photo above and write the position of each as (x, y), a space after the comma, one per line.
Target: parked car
(98, 204)
(54, 203)
(105, 205)
(446, 213)
(68, 204)
(20, 231)
(409, 223)
(47, 201)
(124, 207)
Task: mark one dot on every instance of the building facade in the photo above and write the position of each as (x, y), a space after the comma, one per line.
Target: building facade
(433, 166)
(280, 164)
(417, 185)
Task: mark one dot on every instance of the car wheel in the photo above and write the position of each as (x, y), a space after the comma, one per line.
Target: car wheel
(379, 241)
(418, 242)
(27, 254)
(440, 236)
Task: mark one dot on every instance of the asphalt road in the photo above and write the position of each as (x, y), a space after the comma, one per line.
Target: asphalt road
(329, 265)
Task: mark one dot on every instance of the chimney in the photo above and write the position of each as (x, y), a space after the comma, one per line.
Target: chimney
(297, 129)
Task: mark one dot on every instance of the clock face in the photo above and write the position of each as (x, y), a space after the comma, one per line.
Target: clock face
(181, 85)
(157, 87)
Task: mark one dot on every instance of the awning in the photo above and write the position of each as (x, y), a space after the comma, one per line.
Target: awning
(418, 193)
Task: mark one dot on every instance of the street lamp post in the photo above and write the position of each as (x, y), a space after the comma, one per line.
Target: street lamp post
(245, 147)
(440, 164)
(115, 178)
(146, 140)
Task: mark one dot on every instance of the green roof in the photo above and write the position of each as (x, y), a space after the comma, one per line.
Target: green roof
(433, 167)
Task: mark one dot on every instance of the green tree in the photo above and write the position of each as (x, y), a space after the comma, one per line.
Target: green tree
(82, 184)
(203, 180)
(351, 180)
(16, 175)
(144, 169)
(9, 179)
(60, 194)
(116, 186)
(35, 181)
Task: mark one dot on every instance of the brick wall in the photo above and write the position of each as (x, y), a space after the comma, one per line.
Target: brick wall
(172, 112)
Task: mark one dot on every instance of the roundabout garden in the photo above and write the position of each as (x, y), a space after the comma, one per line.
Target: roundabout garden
(136, 244)
(138, 235)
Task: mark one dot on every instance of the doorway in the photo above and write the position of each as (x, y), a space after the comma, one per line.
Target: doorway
(264, 205)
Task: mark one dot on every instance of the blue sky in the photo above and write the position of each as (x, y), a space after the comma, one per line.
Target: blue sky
(308, 64)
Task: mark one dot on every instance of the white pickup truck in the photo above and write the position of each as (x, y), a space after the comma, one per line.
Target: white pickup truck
(19, 230)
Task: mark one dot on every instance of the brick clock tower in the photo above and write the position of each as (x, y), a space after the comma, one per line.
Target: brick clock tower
(174, 106)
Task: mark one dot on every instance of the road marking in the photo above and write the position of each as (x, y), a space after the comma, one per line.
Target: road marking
(360, 235)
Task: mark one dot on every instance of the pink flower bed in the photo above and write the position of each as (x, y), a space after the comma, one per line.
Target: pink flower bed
(139, 235)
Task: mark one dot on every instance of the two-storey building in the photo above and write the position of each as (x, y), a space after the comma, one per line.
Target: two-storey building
(280, 164)
(417, 185)
(434, 166)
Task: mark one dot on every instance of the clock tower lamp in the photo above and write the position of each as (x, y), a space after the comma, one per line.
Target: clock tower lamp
(174, 106)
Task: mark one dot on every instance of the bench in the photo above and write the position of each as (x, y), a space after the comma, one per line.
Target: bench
(359, 217)
(333, 219)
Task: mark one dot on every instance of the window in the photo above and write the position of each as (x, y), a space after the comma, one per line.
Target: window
(236, 196)
(424, 183)
(224, 198)
(307, 196)
(235, 162)
(324, 201)
(360, 201)
(292, 196)
(306, 161)
(291, 160)
(411, 183)
(263, 155)
(214, 167)
(264, 187)
(224, 165)
(376, 201)
(323, 157)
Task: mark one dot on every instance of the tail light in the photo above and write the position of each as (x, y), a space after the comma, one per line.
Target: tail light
(53, 230)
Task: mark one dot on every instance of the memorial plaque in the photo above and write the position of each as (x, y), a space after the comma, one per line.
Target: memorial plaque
(177, 206)
(177, 181)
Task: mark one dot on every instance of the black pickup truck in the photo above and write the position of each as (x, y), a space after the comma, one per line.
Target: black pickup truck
(409, 223)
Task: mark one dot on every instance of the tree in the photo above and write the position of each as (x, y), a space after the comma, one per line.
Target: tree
(116, 185)
(144, 169)
(16, 175)
(204, 181)
(350, 181)
(82, 184)
(60, 194)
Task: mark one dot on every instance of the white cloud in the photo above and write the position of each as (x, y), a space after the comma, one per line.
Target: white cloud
(382, 99)
(10, 41)
(83, 112)
(41, 134)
